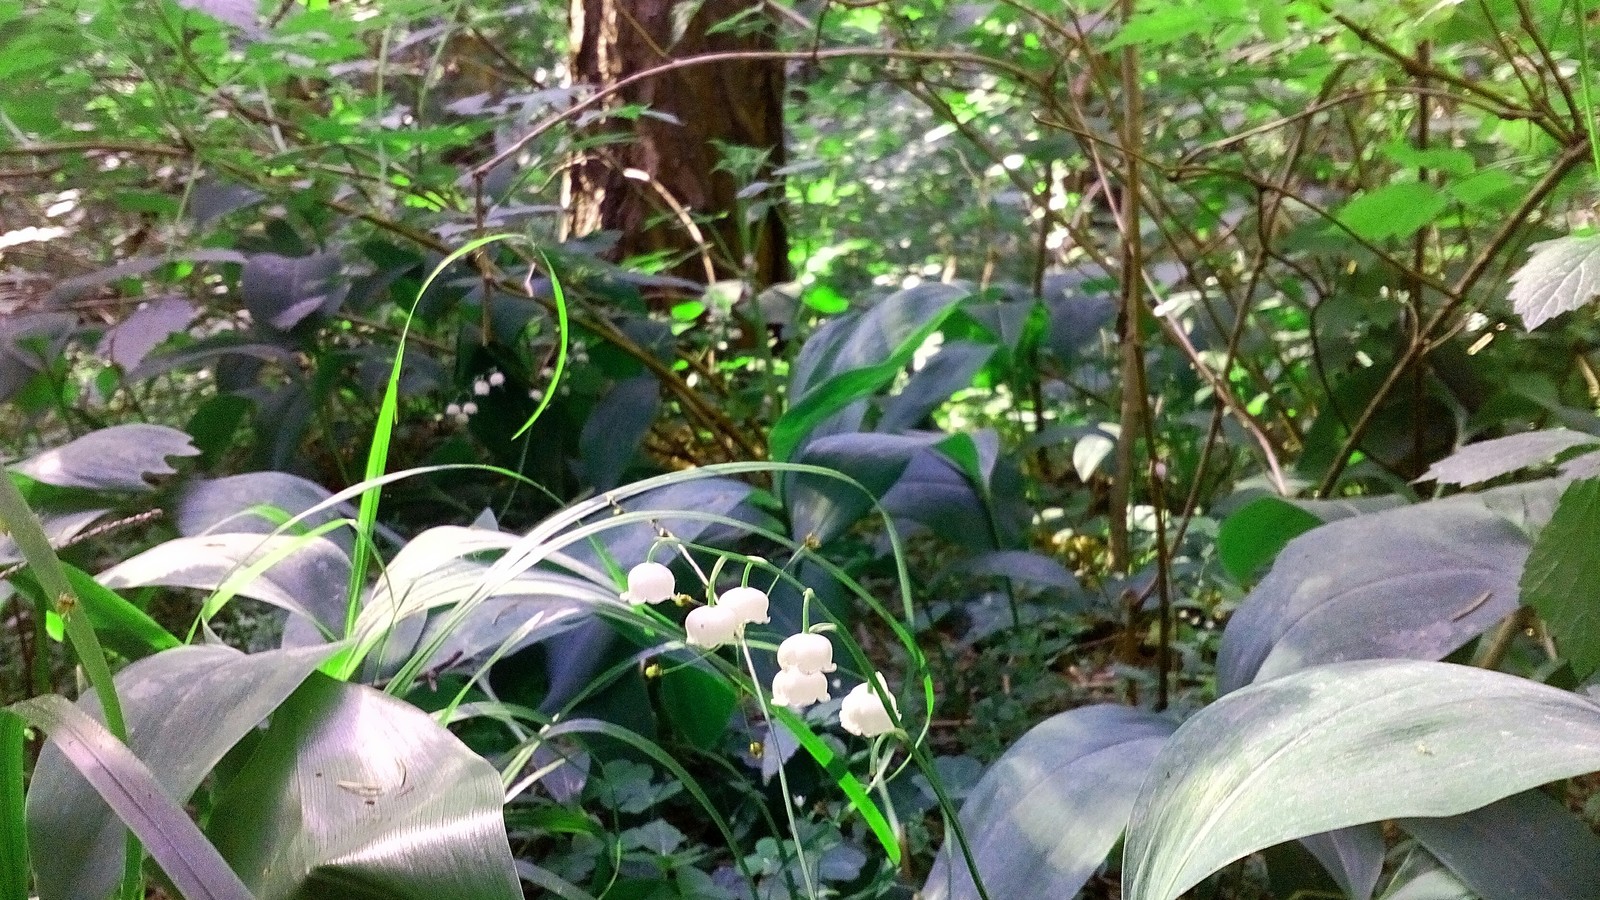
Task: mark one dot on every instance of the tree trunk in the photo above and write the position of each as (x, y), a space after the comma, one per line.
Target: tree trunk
(659, 187)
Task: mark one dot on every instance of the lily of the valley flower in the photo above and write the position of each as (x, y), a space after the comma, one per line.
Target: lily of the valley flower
(748, 604)
(863, 712)
(649, 582)
(806, 652)
(797, 690)
(712, 626)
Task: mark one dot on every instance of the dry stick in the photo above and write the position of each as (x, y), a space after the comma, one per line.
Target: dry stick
(1424, 343)
(1131, 270)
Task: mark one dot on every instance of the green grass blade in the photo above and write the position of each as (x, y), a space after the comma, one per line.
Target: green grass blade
(13, 825)
(382, 432)
(563, 334)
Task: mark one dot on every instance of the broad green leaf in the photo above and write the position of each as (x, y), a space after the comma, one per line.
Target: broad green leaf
(1561, 276)
(1393, 211)
(123, 627)
(698, 703)
(139, 800)
(1340, 745)
(355, 794)
(1044, 816)
(1352, 857)
(852, 357)
(1251, 538)
(1414, 582)
(1162, 25)
(185, 709)
(1562, 578)
(1487, 460)
(110, 459)
(1505, 851)
(823, 507)
(297, 582)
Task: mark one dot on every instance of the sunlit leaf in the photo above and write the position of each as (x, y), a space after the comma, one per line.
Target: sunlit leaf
(110, 459)
(184, 708)
(1045, 815)
(1340, 745)
(355, 794)
(1487, 460)
(1562, 275)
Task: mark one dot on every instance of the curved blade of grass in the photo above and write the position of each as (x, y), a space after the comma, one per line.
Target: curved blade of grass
(844, 778)
(563, 335)
(383, 430)
(13, 823)
(127, 786)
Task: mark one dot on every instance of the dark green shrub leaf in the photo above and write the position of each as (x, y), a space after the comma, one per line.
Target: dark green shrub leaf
(1251, 538)
(1505, 851)
(1562, 578)
(111, 459)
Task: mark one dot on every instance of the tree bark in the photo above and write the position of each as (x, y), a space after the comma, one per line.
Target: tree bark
(660, 188)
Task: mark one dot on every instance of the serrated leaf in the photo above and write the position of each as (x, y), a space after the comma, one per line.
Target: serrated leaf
(1561, 276)
(1562, 578)
(1341, 745)
(1486, 460)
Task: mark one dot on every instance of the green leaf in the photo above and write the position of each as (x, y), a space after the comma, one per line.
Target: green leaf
(110, 459)
(1561, 580)
(699, 704)
(1162, 25)
(357, 795)
(1487, 460)
(1393, 211)
(1504, 851)
(1561, 276)
(1090, 761)
(185, 709)
(122, 626)
(1340, 745)
(117, 776)
(1251, 538)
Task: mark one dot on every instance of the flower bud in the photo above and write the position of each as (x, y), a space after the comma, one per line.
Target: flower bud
(806, 652)
(711, 626)
(469, 408)
(863, 712)
(649, 582)
(797, 690)
(747, 603)
(480, 387)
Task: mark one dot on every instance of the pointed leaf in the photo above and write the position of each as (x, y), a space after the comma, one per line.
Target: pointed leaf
(1393, 211)
(1353, 857)
(1340, 745)
(166, 831)
(1562, 578)
(281, 291)
(132, 339)
(1044, 816)
(1561, 276)
(1525, 847)
(823, 507)
(111, 459)
(355, 794)
(1414, 582)
(1486, 460)
(184, 708)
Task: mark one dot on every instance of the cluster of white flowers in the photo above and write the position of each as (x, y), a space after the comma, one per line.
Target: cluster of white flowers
(461, 413)
(804, 659)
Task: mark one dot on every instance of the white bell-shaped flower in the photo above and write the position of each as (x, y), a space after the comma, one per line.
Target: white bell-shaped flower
(496, 379)
(806, 652)
(649, 582)
(797, 690)
(480, 388)
(748, 603)
(711, 626)
(863, 712)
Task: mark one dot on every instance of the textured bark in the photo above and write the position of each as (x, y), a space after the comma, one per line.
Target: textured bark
(735, 103)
